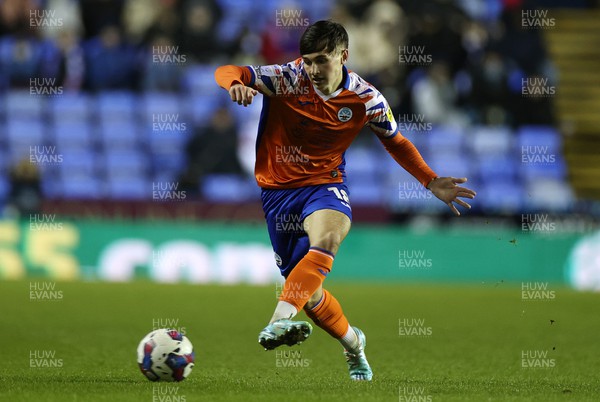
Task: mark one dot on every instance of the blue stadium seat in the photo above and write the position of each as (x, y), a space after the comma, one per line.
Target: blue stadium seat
(556, 169)
(364, 192)
(199, 80)
(82, 187)
(542, 137)
(130, 163)
(404, 194)
(456, 165)
(78, 161)
(445, 139)
(70, 134)
(120, 134)
(362, 164)
(549, 195)
(491, 141)
(24, 105)
(228, 188)
(116, 106)
(4, 188)
(158, 105)
(130, 188)
(501, 196)
(201, 109)
(71, 108)
(497, 167)
(25, 132)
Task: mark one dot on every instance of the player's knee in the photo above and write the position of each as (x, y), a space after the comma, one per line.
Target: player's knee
(329, 240)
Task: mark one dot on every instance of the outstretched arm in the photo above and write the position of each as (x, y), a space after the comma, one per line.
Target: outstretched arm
(236, 80)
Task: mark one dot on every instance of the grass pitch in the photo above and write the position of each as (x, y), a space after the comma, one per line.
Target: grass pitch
(425, 343)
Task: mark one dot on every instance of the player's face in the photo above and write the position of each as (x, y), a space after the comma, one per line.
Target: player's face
(325, 69)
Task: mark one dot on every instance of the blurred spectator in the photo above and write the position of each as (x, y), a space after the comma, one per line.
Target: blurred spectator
(25, 190)
(71, 72)
(110, 62)
(163, 65)
(434, 97)
(199, 39)
(96, 15)
(213, 149)
(490, 92)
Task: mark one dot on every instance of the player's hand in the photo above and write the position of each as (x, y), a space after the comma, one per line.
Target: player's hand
(447, 190)
(242, 94)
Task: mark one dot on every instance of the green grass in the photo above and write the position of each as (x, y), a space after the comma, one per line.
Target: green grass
(473, 353)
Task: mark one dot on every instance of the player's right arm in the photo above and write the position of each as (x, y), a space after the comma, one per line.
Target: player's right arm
(243, 83)
(236, 80)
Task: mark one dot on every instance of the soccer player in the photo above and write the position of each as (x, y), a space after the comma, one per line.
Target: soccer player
(313, 107)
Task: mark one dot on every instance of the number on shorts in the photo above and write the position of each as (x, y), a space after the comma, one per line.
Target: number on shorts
(340, 194)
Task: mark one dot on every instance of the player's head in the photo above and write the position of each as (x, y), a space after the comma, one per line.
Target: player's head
(324, 49)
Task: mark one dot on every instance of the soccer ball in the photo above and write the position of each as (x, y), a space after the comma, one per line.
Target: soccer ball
(165, 355)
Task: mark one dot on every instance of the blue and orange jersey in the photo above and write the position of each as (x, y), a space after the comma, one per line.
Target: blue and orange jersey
(303, 133)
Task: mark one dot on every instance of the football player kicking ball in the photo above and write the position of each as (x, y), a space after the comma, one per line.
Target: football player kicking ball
(313, 107)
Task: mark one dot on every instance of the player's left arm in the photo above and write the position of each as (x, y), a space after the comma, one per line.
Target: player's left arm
(381, 121)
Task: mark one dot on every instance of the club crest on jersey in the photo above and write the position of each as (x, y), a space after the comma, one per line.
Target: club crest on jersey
(344, 114)
(278, 260)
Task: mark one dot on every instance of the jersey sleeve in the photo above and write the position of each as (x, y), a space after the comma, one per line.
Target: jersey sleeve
(380, 119)
(279, 79)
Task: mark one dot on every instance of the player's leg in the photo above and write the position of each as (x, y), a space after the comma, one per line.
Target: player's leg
(290, 244)
(326, 230)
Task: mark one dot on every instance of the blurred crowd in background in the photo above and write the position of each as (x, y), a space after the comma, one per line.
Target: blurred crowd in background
(474, 56)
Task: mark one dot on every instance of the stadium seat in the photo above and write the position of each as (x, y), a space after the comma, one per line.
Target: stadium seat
(491, 141)
(158, 105)
(228, 188)
(130, 163)
(556, 169)
(25, 132)
(71, 108)
(22, 104)
(78, 161)
(445, 139)
(362, 164)
(456, 165)
(4, 188)
(543, 137)
(491, 168)
(81, 186)
(199, 80)
(501, 196)
(120, 134)
(549, 195)
(364, 192)
(200, 109)
(72, 134)
(130, 188)
(116, 106)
